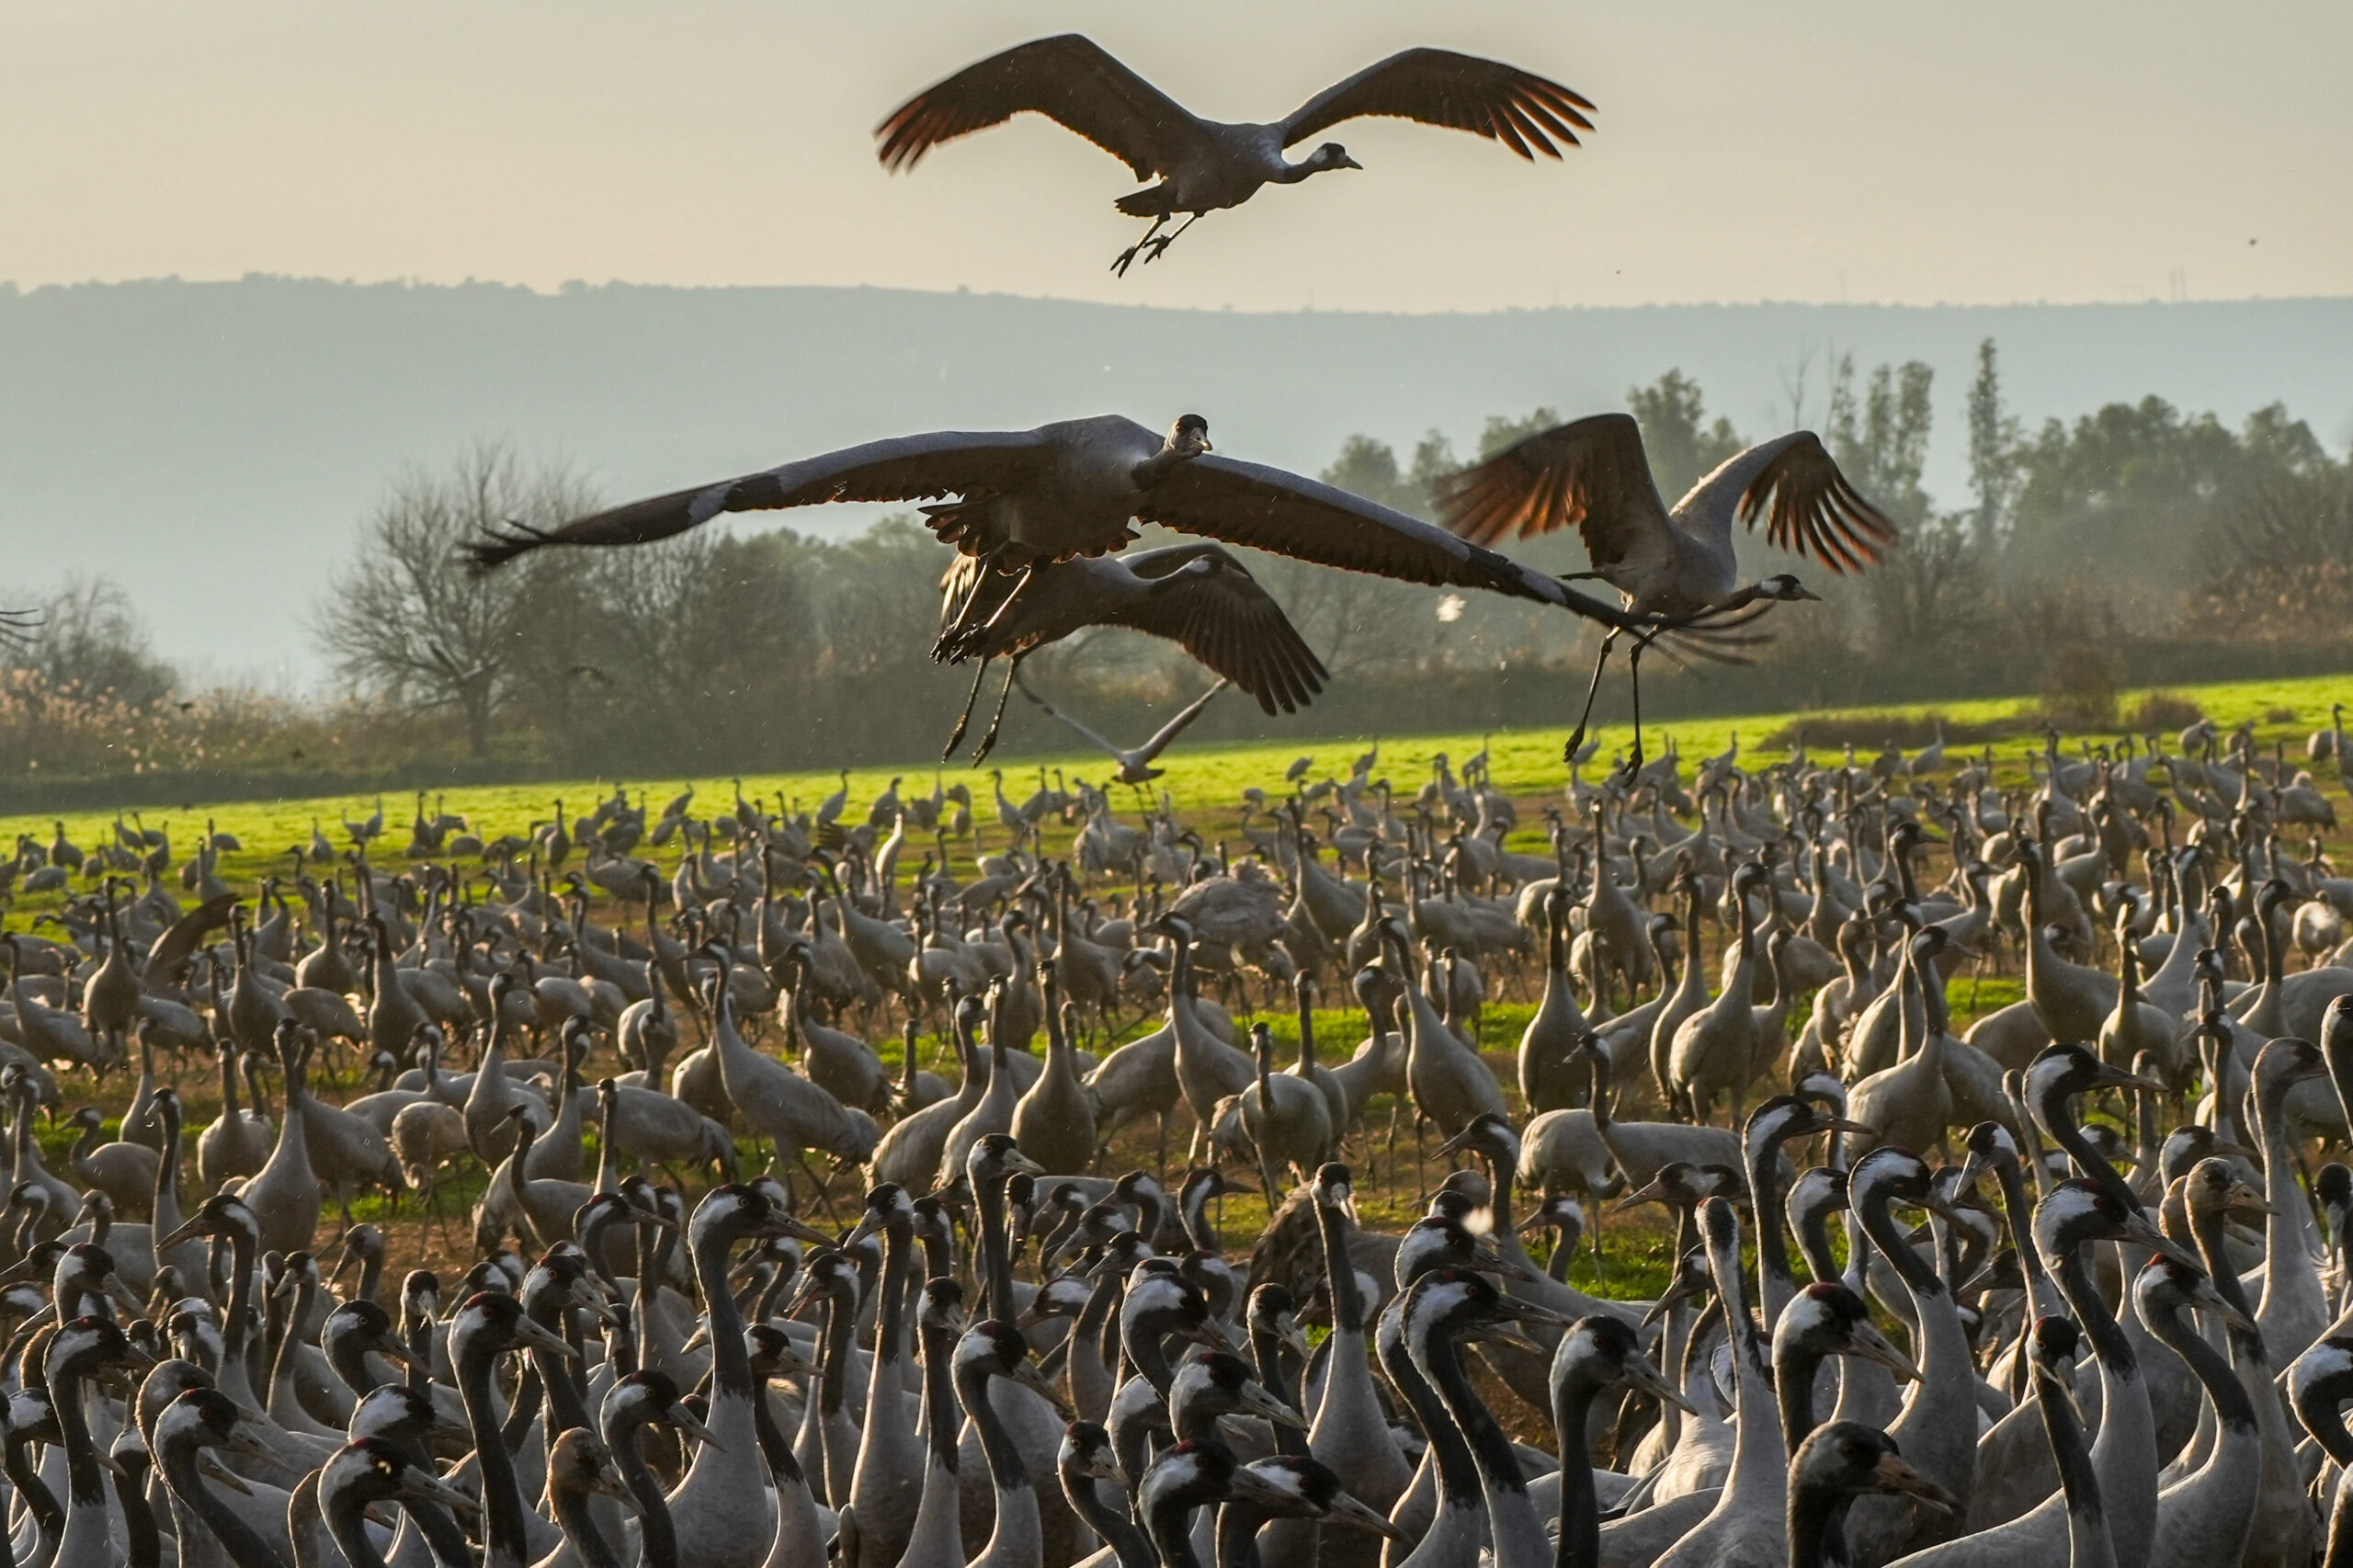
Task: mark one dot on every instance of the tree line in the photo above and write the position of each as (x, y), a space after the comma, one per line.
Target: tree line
(2133, 543)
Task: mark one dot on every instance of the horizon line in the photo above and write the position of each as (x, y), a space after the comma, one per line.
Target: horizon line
(12, 288)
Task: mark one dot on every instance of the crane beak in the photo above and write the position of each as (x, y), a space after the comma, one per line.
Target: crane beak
(1647, 1193)
(1347, 1510)
(1641, 1376)
(1521, 1310)
(214, 1469)
(540, 1338)
(1257, 1399)
(242, 1440)
(2245, 1203)
(425, 1487)
(679, 1416)
(790, 1363)
(1029, 1377)
(786, 1225)
(1891, 1475)
(584, 1296)
(1460, 1140)
(392, 1350)
(2143, 1231)
(1873, 1345)
(1210, 1333)
(1249, 1486)
(188, 1231)
(1504, 1334)
(2206, 1296)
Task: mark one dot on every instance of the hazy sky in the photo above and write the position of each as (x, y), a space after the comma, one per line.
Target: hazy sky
(1893, 150)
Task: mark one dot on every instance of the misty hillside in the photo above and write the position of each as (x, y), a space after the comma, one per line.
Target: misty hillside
(214, 444)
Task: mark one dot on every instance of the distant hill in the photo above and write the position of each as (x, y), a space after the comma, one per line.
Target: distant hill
(214, 444)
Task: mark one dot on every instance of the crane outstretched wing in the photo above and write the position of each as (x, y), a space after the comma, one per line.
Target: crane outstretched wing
(1590, 475)
(1223, 618)
(1089, 736)
(1284, 514)
(902, 467)
(1071, 80)
(1526, 113)
(1808, 505)
(1166, 736)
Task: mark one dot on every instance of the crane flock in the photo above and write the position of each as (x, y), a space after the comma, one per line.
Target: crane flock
(715, 1269)
(659, 1328)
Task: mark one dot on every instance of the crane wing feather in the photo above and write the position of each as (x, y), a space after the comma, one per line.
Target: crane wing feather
(1071, 80)
(1223, 618)
(1090, 736)
(1178, 722)
(1807, 505)
(902, 467)
(1284, 514)
(1526, 113)
(1590, 475)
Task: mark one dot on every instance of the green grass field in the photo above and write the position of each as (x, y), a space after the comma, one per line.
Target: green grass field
(1205, 784)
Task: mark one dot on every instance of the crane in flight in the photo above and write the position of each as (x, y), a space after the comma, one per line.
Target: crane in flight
(1136, 764)
(1206, 165)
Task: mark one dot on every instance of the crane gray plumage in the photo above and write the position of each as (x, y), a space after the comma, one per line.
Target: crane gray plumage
(1205, 165)
(1594, 475)
(1197, 594)
(1073, 488)
(1136, 764)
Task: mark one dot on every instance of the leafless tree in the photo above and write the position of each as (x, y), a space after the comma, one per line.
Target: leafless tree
(87, 637)
(404, 622)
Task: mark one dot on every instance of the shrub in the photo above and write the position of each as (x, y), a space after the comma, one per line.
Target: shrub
(2078, 687)
(1866, 733)
(2163, 712)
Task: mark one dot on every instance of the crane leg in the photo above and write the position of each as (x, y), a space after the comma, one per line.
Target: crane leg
(1126, 258)
(1161, 244)
(988, 740)
(1577, 739)
(966, 718)
(1634, 682)
(1395, 1106)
